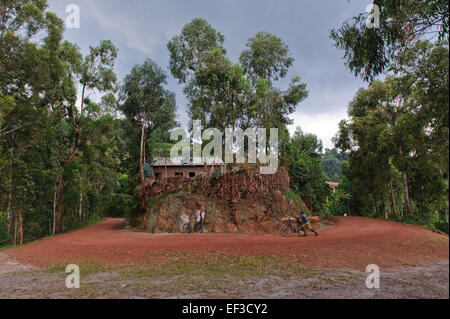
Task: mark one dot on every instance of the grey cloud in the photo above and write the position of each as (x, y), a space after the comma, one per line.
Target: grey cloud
(141, 29)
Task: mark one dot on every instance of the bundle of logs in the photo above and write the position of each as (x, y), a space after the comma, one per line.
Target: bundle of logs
(229, 187)
(312, 219)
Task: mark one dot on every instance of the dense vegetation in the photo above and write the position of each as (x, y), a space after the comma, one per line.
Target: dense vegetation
(65, 164)
(397, 134)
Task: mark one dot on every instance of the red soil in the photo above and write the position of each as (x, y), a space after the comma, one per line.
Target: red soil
(353, 242)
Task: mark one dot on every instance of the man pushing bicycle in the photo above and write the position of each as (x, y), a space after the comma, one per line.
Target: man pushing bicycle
(304, 220)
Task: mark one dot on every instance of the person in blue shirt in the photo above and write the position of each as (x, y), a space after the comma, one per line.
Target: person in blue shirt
(304, 220)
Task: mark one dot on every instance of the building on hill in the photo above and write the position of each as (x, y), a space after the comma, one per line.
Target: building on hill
(333, 185)
(165, 167)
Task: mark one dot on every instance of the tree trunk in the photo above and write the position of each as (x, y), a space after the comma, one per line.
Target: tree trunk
(59, 205)
(15, 229)
(54, 210)
(82, 99)
(447, 208)
(375, 203)
(406, 194)
(145, 149)
(9, 213)
(8, 210)
(80, 210)
(20, 227)
(392, 197)
(141, 155)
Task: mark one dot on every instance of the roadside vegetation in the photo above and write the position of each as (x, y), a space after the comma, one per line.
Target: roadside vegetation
(65, 165)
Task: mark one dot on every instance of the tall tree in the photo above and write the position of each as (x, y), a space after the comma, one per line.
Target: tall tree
(266, 57)
(95, 72)
(369, 51)
(390, 132)
(188, 50)
(147, 104)
(222, 92)
(265, 60)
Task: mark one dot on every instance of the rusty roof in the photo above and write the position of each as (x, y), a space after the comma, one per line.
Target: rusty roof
(332, 184)
(180, 161)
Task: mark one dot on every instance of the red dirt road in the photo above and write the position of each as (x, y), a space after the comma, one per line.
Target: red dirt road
(352, 243)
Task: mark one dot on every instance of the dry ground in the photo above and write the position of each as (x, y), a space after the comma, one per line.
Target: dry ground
(116, 263)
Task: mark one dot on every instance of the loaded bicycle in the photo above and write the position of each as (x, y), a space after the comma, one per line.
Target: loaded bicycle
(291, 225)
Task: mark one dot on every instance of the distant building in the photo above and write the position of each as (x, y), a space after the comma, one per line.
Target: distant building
(164, 167)
(333, 185)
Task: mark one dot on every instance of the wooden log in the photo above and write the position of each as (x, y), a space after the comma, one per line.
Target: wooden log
(312, 219)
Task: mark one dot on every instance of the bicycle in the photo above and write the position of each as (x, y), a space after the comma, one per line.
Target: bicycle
(198, 227)
(287, 228)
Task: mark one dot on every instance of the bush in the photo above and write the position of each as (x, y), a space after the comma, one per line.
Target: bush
(5, 238)
(442, 226)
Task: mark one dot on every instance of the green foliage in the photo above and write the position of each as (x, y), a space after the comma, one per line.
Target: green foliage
(220, 99)
(148, 106)
(332, 162)
(267, 57)
(223, 94)
(335, 205)
(370, 51)
(188, 50)
(298, 201)
(441, 226)
(54, 155)
(397, 139)
(305, 170)
(5, 237)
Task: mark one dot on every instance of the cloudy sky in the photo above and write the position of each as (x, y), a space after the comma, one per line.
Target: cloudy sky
(142, 28)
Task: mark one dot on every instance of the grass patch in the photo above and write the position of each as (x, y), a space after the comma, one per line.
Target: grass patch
(188, 264)
(298, 201)
(216, 264)
(154, 201)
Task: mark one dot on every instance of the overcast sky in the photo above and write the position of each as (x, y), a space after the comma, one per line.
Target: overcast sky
(141, 30)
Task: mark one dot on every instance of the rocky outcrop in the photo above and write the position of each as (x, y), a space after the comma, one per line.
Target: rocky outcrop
(261, 216)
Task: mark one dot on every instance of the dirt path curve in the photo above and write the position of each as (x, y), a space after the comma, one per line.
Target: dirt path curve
(352, 243)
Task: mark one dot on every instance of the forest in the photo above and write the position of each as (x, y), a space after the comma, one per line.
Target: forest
(67, 161)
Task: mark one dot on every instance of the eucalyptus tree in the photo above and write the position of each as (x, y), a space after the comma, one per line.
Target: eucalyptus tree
(266, 57)
(265, 60)
(95, 72)
(389, 133)
(24, 87)
(223, 92)
(370, 48)
(147, 104)
(188, 52)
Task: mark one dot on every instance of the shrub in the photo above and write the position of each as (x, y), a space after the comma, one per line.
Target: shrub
(442, 226)
(5, 238)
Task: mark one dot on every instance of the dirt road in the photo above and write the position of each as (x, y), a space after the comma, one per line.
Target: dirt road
(117, 263)
(352, 243)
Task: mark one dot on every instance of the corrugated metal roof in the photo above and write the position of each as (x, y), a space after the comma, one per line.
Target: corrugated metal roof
(332, 184)
(180, 161)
